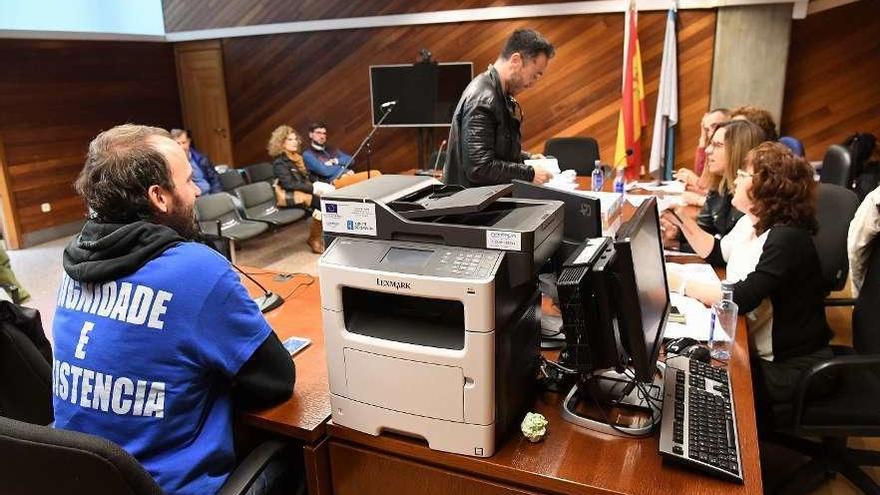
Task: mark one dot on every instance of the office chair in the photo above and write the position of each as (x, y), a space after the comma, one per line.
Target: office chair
(231, 179)
(852, 408)
(260, 172)
(25, 366)
(574, 153)
(258, 200)
(36, 460)
(218, 209)
(836, 166)
(835, 208)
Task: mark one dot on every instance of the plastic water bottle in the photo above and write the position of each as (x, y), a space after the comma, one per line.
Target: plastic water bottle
(619, 182)
(598, 177)
(722, 332)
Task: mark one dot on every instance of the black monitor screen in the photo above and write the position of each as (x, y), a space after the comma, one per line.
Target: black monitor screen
(426, 94)
(642, 274)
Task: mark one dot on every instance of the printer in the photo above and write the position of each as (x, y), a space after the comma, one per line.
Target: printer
(430, 330)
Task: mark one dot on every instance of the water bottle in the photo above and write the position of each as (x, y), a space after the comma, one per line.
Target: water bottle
(598, 177)
(619, 182)
(722, 332)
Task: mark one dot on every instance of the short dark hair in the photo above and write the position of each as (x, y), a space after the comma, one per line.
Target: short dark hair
(759, 116)
(318, 124)
(529, 43)
(120, 167)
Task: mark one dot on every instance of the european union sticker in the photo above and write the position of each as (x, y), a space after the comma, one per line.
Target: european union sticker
(349, 217)
(330, 208)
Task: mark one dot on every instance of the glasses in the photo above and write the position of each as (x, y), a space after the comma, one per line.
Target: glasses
(742, 174)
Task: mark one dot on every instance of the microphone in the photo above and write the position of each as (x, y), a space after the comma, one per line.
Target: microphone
(269, 300)
(387, 105)
(439, 152)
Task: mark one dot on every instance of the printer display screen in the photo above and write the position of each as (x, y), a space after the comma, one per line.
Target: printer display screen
(407, 258)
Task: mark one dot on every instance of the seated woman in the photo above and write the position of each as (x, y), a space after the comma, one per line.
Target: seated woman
(294, 187)
(725, 154)
(778, 280)
(697, 180)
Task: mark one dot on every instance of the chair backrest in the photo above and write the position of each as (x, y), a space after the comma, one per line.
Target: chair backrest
(213, 207)
(836, 166)
(866, 313)
(25, 366)
(574, 153)
(36, 459)
(260, 172)
(835, 208)
(231, 179)
(257, 199)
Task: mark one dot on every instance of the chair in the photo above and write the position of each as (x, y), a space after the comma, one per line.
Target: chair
(25, 366)
(217, 211)
(260, 172)
(231, 179)
(574, 153)
(851, 409)
(836, 166)
(258, 200)
(835, 208)
(36, 459)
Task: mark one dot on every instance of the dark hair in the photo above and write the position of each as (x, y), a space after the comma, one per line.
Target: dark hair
(176, 133)
(725, 111)
(529, 43)
(783, 190)
(760, 117)
(120, 167)
(318, 124)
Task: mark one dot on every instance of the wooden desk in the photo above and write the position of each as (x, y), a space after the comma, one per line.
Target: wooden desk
(570, 460)
(304, 416)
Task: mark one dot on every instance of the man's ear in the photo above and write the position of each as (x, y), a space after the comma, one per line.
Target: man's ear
(159, 198)
(516, 58)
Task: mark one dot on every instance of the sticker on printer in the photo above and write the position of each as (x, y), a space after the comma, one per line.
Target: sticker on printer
(349, 217)
(508, 241)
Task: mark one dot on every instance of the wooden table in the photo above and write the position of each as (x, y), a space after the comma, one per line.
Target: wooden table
(570, 460)
(303, 417)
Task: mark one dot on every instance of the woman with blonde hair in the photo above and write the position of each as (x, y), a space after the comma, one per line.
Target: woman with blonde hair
(725, 155)
(293, 186)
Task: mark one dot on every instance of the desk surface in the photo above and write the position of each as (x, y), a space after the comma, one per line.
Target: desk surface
(305, 414)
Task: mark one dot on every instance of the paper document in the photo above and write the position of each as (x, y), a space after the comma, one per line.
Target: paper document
(694, 271)
(671, 252)
(669, 186)
(549, 164)
(698, 319)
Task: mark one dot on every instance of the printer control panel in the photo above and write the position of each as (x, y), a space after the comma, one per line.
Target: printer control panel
(414, 257)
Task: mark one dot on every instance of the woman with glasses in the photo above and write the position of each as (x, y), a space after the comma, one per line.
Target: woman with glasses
(725, 154)
(775, 267)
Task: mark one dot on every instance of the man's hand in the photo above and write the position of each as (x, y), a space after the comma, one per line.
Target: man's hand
(541, 175)
(538, 156)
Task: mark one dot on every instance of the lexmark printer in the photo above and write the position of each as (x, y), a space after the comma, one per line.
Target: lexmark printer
(430, 325)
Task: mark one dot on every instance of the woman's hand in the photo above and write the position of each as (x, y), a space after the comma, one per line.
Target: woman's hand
(693, 199)
(669, 234)
(687, 176)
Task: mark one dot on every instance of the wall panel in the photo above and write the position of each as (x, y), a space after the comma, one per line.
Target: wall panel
(298, 77)
(831, 89)
(55, 96)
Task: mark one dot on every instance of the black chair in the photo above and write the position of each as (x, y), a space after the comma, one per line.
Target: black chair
(36, 459)
(25, 366)
(836, 166)
(217, 211)
(835, 208)
(260, 172)
(851, 409)
(231, 179)
(258, 200)
(574, 153)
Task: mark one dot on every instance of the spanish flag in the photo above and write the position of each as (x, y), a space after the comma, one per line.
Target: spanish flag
(633, 114)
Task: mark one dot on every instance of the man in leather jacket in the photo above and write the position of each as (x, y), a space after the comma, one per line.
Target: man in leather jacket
(485, 144)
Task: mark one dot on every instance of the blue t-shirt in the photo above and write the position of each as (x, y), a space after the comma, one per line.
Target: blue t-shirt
(148, 360)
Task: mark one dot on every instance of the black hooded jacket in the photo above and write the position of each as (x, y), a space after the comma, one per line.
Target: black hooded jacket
(104, 252)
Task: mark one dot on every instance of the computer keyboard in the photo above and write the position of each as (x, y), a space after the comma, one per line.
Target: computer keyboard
(699, 423)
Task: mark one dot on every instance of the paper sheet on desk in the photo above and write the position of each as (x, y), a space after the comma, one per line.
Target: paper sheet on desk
(549, 164)
(694, 271)
(663, 203)
(670, 186)
(698, 319)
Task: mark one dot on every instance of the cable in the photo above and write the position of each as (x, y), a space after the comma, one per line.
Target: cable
(311, 280)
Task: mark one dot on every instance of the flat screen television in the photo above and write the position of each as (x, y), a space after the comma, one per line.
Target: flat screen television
(426, 93)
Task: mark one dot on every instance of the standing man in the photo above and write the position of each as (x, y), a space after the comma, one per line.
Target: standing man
(155, 337)
(204, 175)
(323, 161)
(485, 143)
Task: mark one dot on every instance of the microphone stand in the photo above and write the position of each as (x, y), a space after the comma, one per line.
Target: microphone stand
(269, 300)
(367, 143)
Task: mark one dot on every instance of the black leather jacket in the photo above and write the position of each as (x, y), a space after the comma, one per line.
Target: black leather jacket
(289, 177)
(718, 215)
(485, 140)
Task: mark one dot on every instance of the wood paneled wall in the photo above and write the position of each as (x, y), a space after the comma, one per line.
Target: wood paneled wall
(832, 88)
(55, 96)
(186, 15)
(296, 78)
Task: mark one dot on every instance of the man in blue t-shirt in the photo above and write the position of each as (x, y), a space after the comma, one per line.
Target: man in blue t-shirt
(155, 337)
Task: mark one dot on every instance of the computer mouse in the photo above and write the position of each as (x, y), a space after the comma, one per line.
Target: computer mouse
(692, 348)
